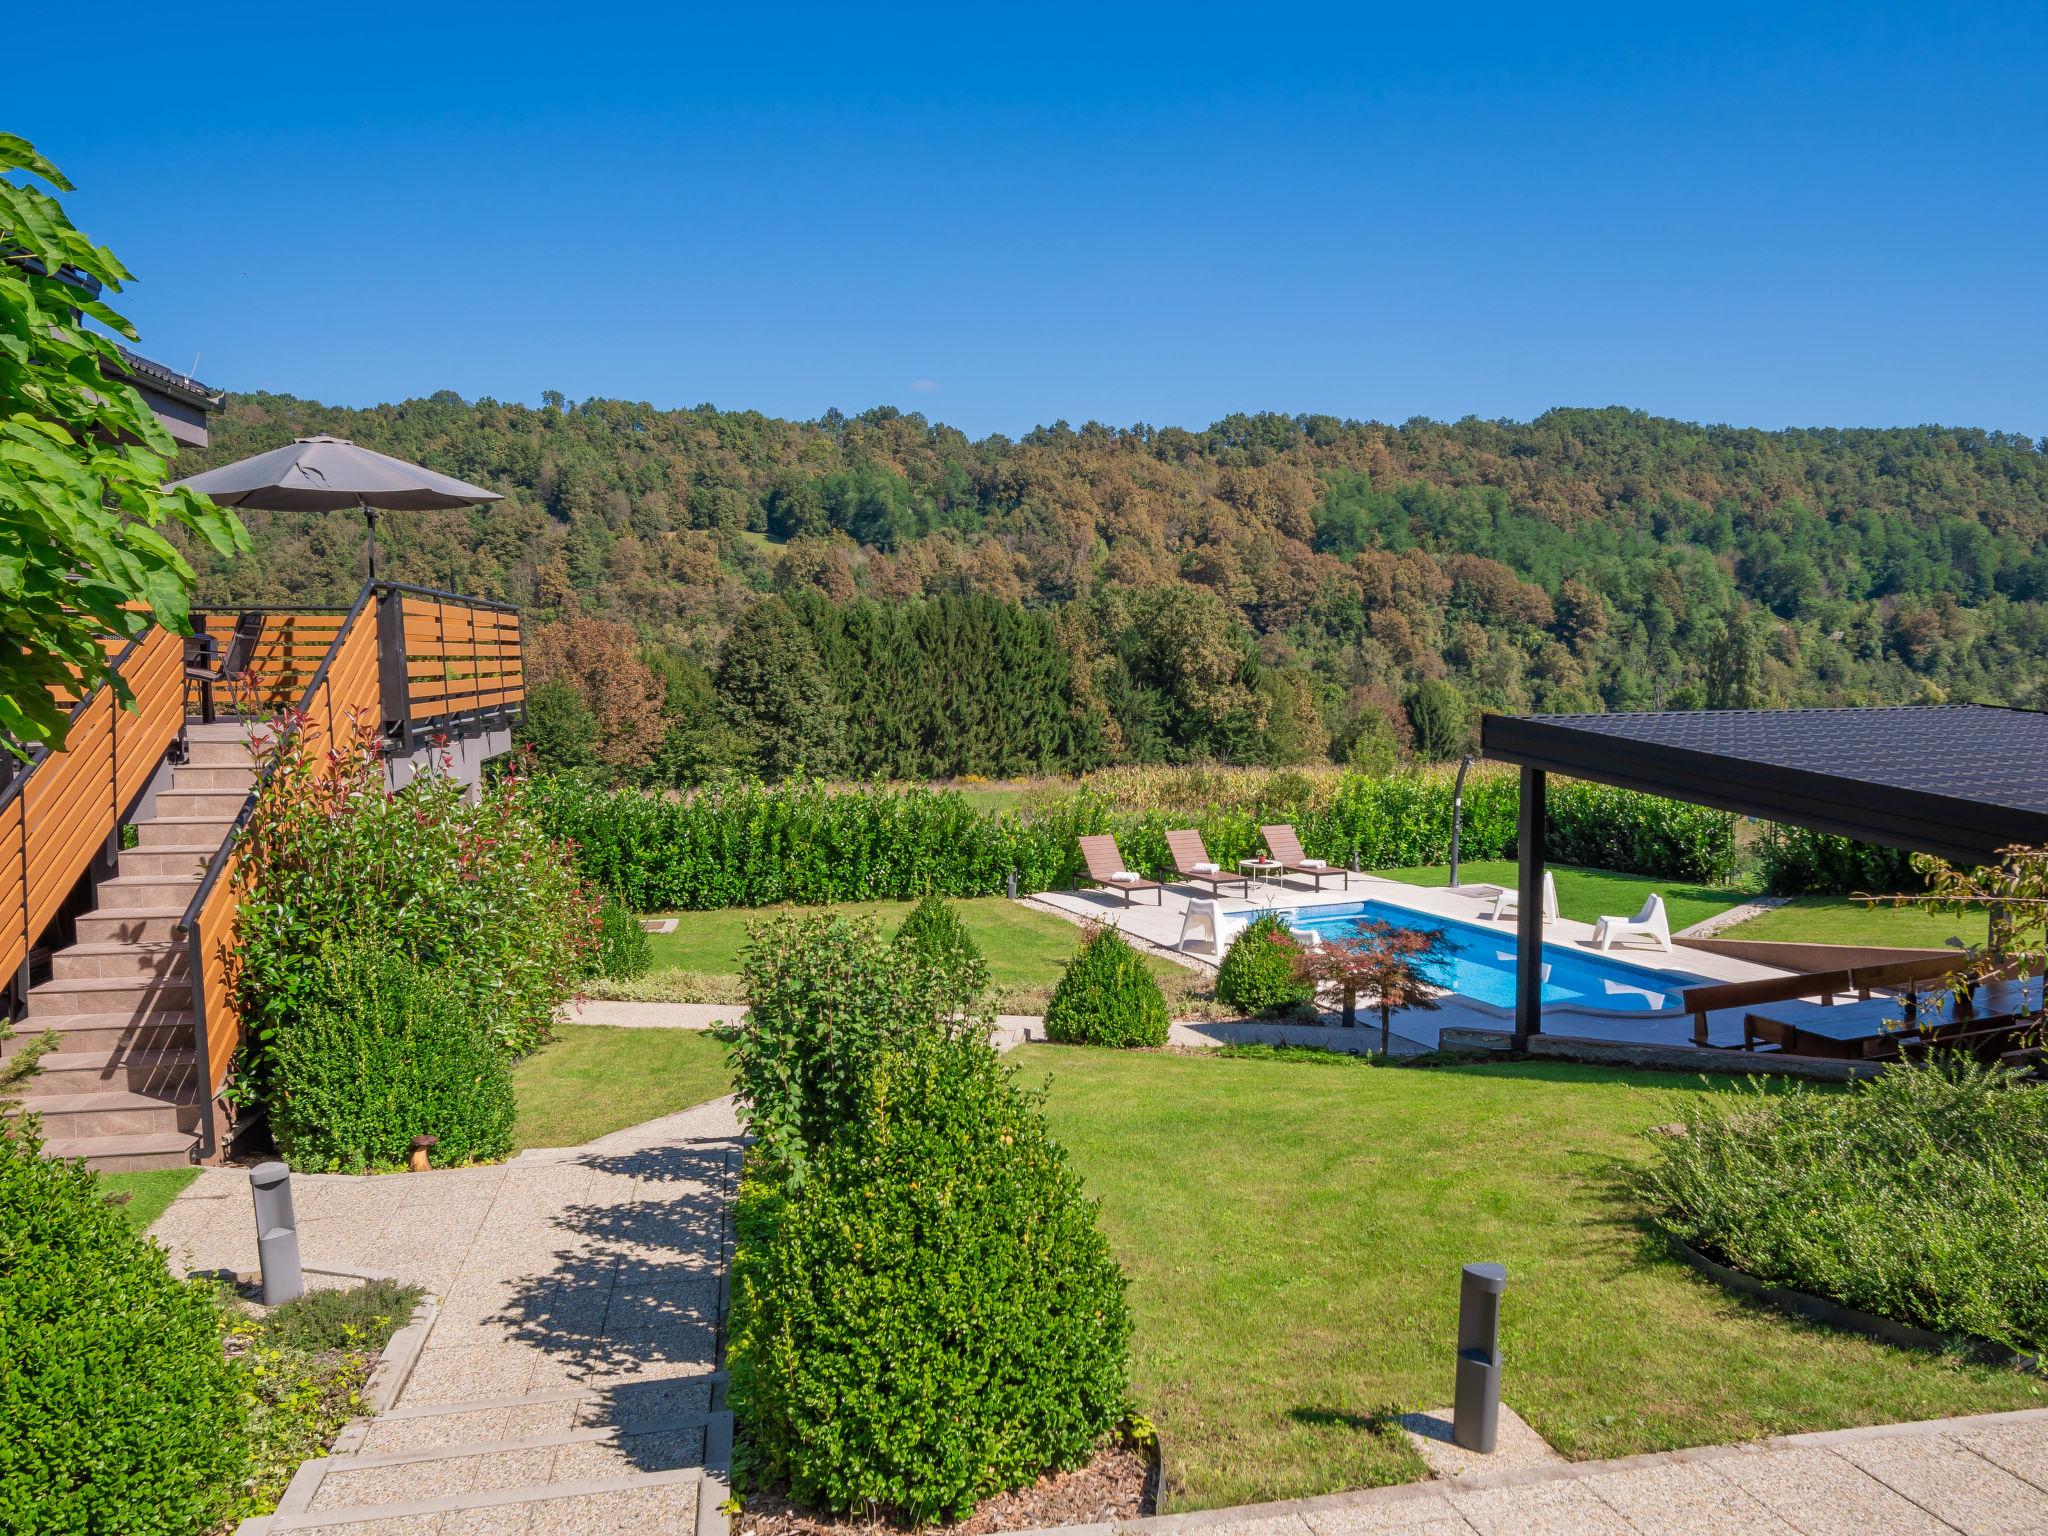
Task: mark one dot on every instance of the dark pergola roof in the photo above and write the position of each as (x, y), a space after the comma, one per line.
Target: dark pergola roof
(1958, 780)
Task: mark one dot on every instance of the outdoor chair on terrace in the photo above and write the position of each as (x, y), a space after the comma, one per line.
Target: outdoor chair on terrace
(1651, 923)
(1285, 846)
(1509, 903)
(1106, 869)
(206, 666)
(1192, 864)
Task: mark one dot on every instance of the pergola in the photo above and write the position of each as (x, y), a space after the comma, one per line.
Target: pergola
(1961, 781)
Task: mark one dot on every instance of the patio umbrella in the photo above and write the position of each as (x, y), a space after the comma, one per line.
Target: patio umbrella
(323, 474)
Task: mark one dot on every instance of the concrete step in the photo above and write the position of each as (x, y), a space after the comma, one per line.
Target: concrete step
(132, 893)
(630, 1408)
(531, 1464)
(112, 1111)
(128, 995)
(90, 1032)
(228, 730)
(222, 753)
(199, 804)
(149, 957)
(129, 1153)
(136, 925)
(234, 778)
(177, 863)
(149, 1072)
(166, 831)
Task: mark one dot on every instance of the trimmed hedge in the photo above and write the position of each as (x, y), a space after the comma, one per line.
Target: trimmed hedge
(1106, 996)
(931, 1315)
(1794, 861)
(1258, 972)
(745, 845)
(385, 1052)
(120, 1411)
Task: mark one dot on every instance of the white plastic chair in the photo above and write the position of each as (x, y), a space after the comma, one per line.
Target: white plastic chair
(1507, 903)
(1650, 923)
(1203, 920)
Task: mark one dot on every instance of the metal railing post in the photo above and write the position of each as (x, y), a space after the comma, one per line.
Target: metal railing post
(392, 680)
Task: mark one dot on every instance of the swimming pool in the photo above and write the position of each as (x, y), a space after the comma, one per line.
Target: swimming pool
(1481, 964)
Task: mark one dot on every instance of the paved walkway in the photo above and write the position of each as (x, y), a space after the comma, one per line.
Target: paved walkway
(1984, 1476)
(569, 1383)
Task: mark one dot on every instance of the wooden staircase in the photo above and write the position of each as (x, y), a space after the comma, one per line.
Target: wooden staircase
(121, 1087)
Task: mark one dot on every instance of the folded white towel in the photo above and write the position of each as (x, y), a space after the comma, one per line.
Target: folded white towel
(1126, 875)
(1208, 869)
(1315, 863)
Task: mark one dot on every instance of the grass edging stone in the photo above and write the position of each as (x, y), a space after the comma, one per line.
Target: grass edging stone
(1834, 1314)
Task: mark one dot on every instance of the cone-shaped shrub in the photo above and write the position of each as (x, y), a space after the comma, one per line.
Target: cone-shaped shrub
(1106, 997)
(934, 930)
(931, 1316)
(1258, 973)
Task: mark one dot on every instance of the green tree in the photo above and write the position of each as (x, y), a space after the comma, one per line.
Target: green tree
(558, 725)
(1437, 711)
(83, 511)
(1735, 668)
(773, 691)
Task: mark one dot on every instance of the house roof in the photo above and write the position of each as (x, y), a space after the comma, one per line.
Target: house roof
(168, 381)
(1959, 780)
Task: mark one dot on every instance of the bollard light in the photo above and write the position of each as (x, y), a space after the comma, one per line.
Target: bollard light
(1475, 1413)
(277, 1233)
(1013, 885)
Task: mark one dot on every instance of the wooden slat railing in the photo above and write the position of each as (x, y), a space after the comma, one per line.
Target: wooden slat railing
(452, 662)
(63, 810)
(289, 649)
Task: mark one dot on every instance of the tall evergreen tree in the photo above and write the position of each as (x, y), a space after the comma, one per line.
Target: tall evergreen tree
(773, 691)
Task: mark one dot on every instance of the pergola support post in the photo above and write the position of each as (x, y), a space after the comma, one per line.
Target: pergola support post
(1529, 839)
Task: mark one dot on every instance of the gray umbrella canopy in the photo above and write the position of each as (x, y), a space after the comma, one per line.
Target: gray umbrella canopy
(328, 474)
(325, 474)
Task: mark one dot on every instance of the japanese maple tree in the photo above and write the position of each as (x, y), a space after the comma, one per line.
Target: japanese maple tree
(1379, 961)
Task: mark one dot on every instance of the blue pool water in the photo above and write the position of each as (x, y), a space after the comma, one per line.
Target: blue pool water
(1481, 965)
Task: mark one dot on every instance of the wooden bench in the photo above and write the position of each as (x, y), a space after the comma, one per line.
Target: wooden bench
(1701, 1001)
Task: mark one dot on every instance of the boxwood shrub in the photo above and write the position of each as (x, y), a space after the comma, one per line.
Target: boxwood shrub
(931, 1316)
(1106, 996)
(384, 1050)
(622, 951)
(934, 931)
(1257, 974)
(120, 1411)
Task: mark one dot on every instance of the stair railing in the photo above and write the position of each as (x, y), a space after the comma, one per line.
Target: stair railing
(62, 810)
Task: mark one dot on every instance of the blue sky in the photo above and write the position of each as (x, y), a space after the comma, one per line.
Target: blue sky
(1006, 215)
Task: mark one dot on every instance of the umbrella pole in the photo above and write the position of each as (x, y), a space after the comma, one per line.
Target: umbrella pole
(370, 516)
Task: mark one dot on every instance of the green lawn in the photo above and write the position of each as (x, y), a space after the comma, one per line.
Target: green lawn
(149, 1192)
(1293, 1235)
(1026, 948)
(1838, 920)
(1585, 895)
(592, 1079)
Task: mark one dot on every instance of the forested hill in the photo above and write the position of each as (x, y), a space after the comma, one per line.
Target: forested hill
(1293, 565)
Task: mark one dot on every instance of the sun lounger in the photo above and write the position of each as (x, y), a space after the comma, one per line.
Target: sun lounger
(1285, 847)
(1192, 864)
(1106, 869)
(1650, 923)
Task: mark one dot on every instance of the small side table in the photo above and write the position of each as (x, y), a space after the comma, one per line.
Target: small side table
(1261, 870)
